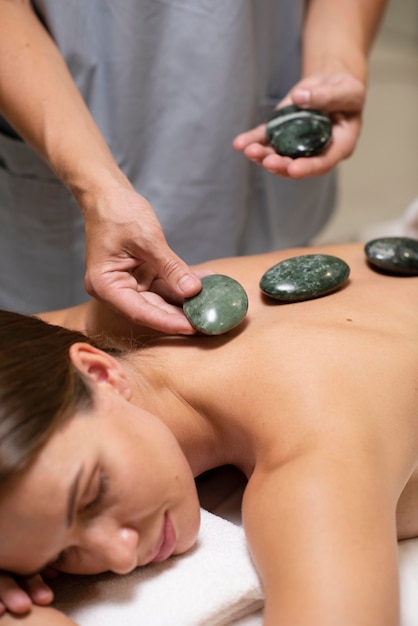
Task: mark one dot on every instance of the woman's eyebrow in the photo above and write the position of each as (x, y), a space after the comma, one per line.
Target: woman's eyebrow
(72, 495)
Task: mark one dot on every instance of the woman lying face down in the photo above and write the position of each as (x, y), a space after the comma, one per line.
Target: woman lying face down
(315, 402)
(110, 488)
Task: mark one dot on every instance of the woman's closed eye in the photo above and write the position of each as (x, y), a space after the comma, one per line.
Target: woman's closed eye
(92, 502)
(98, 495)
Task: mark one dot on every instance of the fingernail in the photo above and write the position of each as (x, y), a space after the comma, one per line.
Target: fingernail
(188, 283)
(302, 95)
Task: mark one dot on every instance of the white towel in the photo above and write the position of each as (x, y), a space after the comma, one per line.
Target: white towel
(408, 575)
(213, 584)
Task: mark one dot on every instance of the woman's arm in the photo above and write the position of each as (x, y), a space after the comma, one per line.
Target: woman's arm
(322, 534)
(128, 259)
(38, 616)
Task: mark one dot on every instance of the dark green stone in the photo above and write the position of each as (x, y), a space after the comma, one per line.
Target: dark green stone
(296, 132)
(397, 255)
(304, 277)
(221, 305)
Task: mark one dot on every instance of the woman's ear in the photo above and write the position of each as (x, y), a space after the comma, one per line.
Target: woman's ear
(98, 367)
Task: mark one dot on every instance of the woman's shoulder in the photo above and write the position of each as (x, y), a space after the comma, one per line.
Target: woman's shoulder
(75, 318)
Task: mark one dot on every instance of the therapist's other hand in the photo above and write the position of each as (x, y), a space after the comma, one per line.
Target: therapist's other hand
(18, 595)
(342, 96)
(130, 266)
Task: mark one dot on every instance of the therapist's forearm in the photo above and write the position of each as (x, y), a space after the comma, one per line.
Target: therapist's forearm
(40, 100)
(338, 35)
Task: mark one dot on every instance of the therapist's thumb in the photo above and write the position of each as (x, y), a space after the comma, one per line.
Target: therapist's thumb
(176, 277)
(188, 284)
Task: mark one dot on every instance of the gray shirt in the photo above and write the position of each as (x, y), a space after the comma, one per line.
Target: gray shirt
(170, 83)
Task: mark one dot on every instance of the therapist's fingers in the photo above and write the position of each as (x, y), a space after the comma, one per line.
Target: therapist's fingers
(159, 286)
(179, 280)
(269, 160)
(130, 266)
(256, 135)
(150, 307)
(342, 96)
(342, 93)
(344, 137)
(254, 145)
(126, 292)
(154, 312)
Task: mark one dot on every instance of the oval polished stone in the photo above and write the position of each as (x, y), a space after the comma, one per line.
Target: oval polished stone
(296, 132)
(219, 307)
(304, 277)
(397, 255)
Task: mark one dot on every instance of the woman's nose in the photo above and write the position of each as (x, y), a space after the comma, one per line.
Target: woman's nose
(116, 548)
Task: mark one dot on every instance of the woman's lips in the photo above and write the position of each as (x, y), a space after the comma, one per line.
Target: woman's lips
(167, 542)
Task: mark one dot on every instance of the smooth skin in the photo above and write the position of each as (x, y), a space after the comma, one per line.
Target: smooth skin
(128, 262)
(315, 402)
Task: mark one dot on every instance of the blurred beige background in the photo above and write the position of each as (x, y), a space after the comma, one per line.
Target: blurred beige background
(381, 178)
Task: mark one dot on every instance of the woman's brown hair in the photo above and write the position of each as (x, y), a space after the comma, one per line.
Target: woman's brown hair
(39, 387)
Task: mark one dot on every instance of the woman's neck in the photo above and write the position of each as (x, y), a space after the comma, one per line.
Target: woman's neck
(156, 389)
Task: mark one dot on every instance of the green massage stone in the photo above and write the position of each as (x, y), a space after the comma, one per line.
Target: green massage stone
(220, 305)
(396, 255)
(304, 277)
(296, 132)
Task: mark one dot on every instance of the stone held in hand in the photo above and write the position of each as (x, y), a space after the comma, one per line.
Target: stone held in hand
(296, 132)
(220, 305)
(304, 277)
(395, 255)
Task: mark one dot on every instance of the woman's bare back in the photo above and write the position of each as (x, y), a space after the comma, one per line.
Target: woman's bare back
(294, 373)
(316, 402)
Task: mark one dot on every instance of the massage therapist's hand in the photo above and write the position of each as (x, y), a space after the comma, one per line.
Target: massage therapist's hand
(342, 96)
(129, 264)
(18, 596)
